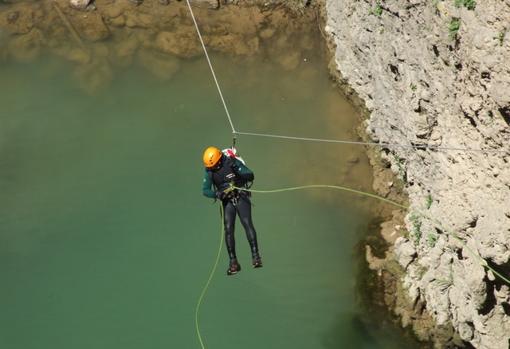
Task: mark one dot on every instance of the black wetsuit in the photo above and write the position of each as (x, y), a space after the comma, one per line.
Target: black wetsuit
(235, 172)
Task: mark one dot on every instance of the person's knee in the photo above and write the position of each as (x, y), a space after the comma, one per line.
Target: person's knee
(229, 223)
(229, 229)
(247, 223)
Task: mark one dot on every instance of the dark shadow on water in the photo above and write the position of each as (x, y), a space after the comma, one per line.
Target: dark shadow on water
(372, 325)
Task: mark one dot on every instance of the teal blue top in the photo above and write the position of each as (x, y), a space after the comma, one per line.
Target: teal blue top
(240, 169)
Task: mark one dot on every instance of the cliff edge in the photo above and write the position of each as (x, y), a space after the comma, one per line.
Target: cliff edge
(437, 73)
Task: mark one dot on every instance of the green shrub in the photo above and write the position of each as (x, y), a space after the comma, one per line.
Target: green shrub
(469, 4)
(428, 203)
(454, 27)
(377, 10)
(416, 222)
(401, 169)
(501, 37)
(431, 240)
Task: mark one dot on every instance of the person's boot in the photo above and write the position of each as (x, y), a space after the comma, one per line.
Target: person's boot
(256, 261)
(234, 267)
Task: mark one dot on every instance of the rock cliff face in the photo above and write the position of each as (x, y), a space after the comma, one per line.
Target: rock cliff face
(437, 73)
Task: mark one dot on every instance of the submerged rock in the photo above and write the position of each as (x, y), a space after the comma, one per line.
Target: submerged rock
(76, 55)
(161, 66)
(212, 4)
(267, 33)
(138, 20)
(26, 47)
(79, 55)
(125, 50)
(113, 11)
(12, 17)
(182, 43)
(20, 20)
(91, 27)
(95, 76)
(289, 61)
(119, 21)
(233, 44)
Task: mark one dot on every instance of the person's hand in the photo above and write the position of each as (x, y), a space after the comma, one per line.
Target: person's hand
(230, 188)
(221, 195)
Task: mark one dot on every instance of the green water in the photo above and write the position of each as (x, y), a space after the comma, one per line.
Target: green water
(106, 240)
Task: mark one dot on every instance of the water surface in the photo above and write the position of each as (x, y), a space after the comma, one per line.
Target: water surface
(106, 240)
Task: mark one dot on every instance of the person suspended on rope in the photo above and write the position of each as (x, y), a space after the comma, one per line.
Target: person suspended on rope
(224, 171)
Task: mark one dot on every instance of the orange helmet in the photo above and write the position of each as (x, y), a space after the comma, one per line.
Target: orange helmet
(212, 156)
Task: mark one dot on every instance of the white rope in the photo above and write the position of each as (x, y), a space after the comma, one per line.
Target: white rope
(212, 69)
(382, 145)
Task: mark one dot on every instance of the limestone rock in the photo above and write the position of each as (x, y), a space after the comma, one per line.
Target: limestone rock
(113, 11)
(119, 21)
(182, 43)
(404, 251)
(212, 4)
(422, 86)
(91, 27)
(374, 263)
(80, 4)
(19, 20)
(138, 20)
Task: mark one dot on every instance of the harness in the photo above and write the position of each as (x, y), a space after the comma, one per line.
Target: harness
(226, 177)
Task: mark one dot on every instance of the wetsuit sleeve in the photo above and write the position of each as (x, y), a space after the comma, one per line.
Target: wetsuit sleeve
(243, 171)
(207, 186)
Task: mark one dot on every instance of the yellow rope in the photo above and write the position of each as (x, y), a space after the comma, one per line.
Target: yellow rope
(338, 187)
(206, 286)
(481, 260)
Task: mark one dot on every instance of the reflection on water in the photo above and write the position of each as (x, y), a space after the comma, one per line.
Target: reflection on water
(105, 239)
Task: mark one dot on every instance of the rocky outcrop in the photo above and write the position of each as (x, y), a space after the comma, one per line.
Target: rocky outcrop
(80, 4)
(436, 73)
(212, 4)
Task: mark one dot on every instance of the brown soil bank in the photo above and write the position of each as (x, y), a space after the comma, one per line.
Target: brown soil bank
(155, 34)
(436, 73)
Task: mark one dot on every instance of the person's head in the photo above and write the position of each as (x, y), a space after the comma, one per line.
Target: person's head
(212, 158)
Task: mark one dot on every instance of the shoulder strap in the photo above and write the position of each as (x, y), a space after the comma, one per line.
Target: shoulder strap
(230, 162)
